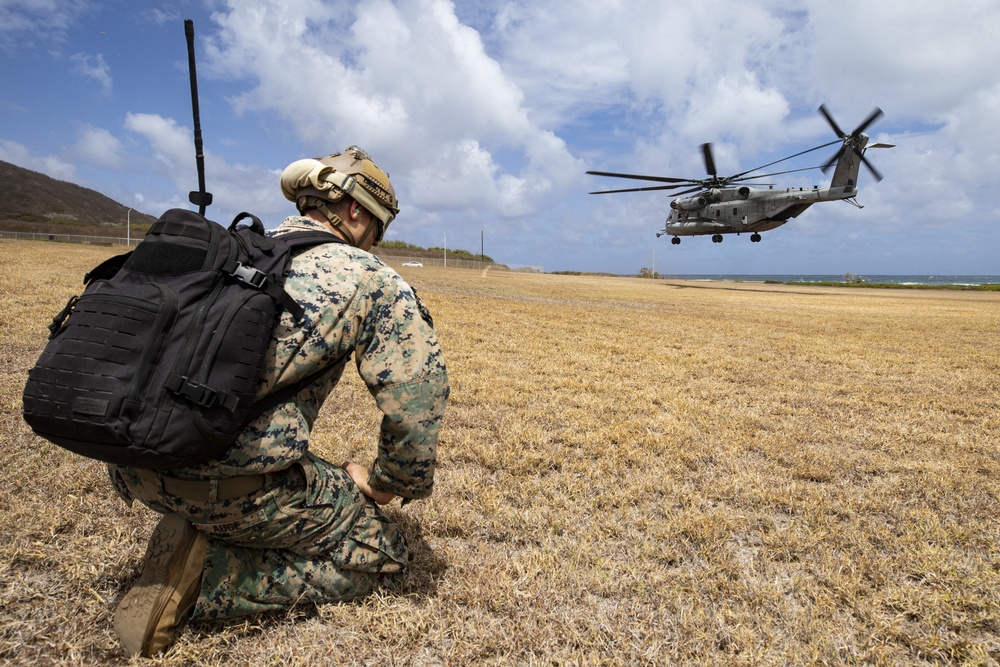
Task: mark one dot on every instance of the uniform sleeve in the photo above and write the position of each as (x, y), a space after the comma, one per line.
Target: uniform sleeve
(400, 361)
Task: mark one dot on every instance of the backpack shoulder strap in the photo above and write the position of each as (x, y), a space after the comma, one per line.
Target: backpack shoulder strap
(107, 269)
(285, 394)
(272, 285)
(295, 240)
(307, 239)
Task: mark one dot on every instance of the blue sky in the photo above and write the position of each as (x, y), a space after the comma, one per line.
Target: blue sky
(487, 115)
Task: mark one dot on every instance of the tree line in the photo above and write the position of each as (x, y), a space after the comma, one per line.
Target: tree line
(433, 250)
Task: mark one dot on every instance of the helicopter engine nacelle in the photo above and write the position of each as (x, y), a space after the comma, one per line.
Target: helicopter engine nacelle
(744, 191)
(689, 203)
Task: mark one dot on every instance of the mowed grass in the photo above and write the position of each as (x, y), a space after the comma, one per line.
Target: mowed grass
(631, 472)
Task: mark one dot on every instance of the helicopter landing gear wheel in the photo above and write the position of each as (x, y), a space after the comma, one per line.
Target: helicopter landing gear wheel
(755, 238)
(676, 240)
(717, 238)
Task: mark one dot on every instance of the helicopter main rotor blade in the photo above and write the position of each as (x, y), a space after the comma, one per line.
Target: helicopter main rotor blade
(686, 192)
(706, 150)
(872, 117)
(836, 128)
(809, 150)
(776, 173)
(650, 188)
(658, 179)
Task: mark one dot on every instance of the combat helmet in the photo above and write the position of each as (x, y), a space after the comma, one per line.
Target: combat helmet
(312, 183)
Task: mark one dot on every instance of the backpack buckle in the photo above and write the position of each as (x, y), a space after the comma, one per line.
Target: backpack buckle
(201, 394)
(249, 275)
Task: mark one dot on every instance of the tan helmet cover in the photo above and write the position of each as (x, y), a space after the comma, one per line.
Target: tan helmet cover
(329, 178)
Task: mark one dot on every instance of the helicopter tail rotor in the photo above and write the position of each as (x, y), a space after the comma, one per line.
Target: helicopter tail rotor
(831, 121)
(855, 141)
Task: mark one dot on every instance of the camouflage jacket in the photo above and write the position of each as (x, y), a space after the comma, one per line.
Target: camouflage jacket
(356, 304)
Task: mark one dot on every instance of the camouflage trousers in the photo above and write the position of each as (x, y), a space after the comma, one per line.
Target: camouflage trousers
(309, 536)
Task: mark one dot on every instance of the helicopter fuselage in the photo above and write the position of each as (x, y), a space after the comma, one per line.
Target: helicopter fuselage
(728, 205)
(745, 209)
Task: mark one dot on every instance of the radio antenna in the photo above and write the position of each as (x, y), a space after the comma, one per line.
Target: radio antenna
(201, 198)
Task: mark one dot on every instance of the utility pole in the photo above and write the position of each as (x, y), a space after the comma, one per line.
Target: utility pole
(128, 228)
(445, 248)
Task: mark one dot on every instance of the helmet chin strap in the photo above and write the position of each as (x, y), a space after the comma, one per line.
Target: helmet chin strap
(337, 223)
(369, 230)
(305, 203)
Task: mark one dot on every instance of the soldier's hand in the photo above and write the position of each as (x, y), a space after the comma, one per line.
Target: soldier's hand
(359, 474)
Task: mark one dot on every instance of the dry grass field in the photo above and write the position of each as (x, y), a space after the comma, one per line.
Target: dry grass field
(631, 472)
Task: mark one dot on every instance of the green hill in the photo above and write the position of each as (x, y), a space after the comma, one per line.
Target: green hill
(34, 202)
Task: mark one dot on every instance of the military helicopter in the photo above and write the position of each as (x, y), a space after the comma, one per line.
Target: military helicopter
(732, 205)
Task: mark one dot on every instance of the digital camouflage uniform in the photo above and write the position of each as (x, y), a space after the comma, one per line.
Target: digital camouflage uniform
(310, 534)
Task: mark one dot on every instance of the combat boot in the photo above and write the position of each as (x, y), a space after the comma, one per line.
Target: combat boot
(166, 590)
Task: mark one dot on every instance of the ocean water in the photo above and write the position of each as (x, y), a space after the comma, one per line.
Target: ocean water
(895, 279)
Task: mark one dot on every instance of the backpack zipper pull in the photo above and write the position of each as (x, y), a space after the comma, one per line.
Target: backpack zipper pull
(59, 319)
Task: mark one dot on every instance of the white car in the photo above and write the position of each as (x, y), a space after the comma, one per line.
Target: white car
(412, 264)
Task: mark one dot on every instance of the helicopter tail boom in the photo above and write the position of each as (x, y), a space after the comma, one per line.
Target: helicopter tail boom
(845, 176)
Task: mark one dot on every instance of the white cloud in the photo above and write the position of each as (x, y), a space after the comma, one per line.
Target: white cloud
(97, 147)
(94, 67)
(160, 16)
(25, 21)
(55, 167)
(919, 58)
(566, 57)
(171, 143)
(939, 180)
(234, 187)
(673, 75)
(735, 101)
(406, 81)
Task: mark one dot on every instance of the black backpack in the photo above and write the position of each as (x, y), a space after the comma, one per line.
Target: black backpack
(156, 364)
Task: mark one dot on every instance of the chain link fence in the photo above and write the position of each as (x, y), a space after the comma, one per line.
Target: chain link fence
(70, 238)
(393, 260)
